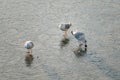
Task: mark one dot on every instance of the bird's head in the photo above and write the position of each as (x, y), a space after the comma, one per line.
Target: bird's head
(73, 32)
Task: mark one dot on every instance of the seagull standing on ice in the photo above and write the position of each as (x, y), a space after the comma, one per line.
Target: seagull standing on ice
(29, 45)
(65, 27)
(80, 37)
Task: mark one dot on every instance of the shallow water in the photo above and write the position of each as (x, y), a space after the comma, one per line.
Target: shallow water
(38, 20)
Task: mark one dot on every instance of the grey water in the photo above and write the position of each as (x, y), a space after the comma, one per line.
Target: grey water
(38, 20)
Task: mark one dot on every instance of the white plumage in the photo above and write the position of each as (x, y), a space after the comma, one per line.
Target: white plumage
(29, 45)
(80, 37)
(64, 27)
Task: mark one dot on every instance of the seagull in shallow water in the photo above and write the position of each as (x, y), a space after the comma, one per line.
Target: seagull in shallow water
(80, 37)
(29, 45)
(64, 27)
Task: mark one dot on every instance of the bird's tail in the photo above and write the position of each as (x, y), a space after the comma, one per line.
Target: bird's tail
(85, 43)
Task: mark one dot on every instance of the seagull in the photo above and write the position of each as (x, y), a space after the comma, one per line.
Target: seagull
(29, 45)
(80, 37)
(64, 27)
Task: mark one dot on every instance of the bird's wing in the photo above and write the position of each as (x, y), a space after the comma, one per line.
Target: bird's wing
(80, 36)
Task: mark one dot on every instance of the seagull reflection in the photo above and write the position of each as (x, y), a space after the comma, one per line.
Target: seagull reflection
(80, 51)
(28, 59)
(64, 41)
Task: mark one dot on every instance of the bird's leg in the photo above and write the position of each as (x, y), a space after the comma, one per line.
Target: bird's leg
(65, 33)
(28, 51)
(80, 43)
(31, 51)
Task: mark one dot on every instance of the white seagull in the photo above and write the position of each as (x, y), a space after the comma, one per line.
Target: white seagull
(64, 27)
(80, 37)
(29, 45)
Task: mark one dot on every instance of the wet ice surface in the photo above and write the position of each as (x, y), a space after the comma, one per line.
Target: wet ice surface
(38, 20)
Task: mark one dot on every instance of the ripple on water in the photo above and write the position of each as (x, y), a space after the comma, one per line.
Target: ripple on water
(100, 63)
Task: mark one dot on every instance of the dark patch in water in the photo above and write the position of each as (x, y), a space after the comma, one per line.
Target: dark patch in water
(100, 63)
(28, 59)
(80, 52)
(64, 42)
